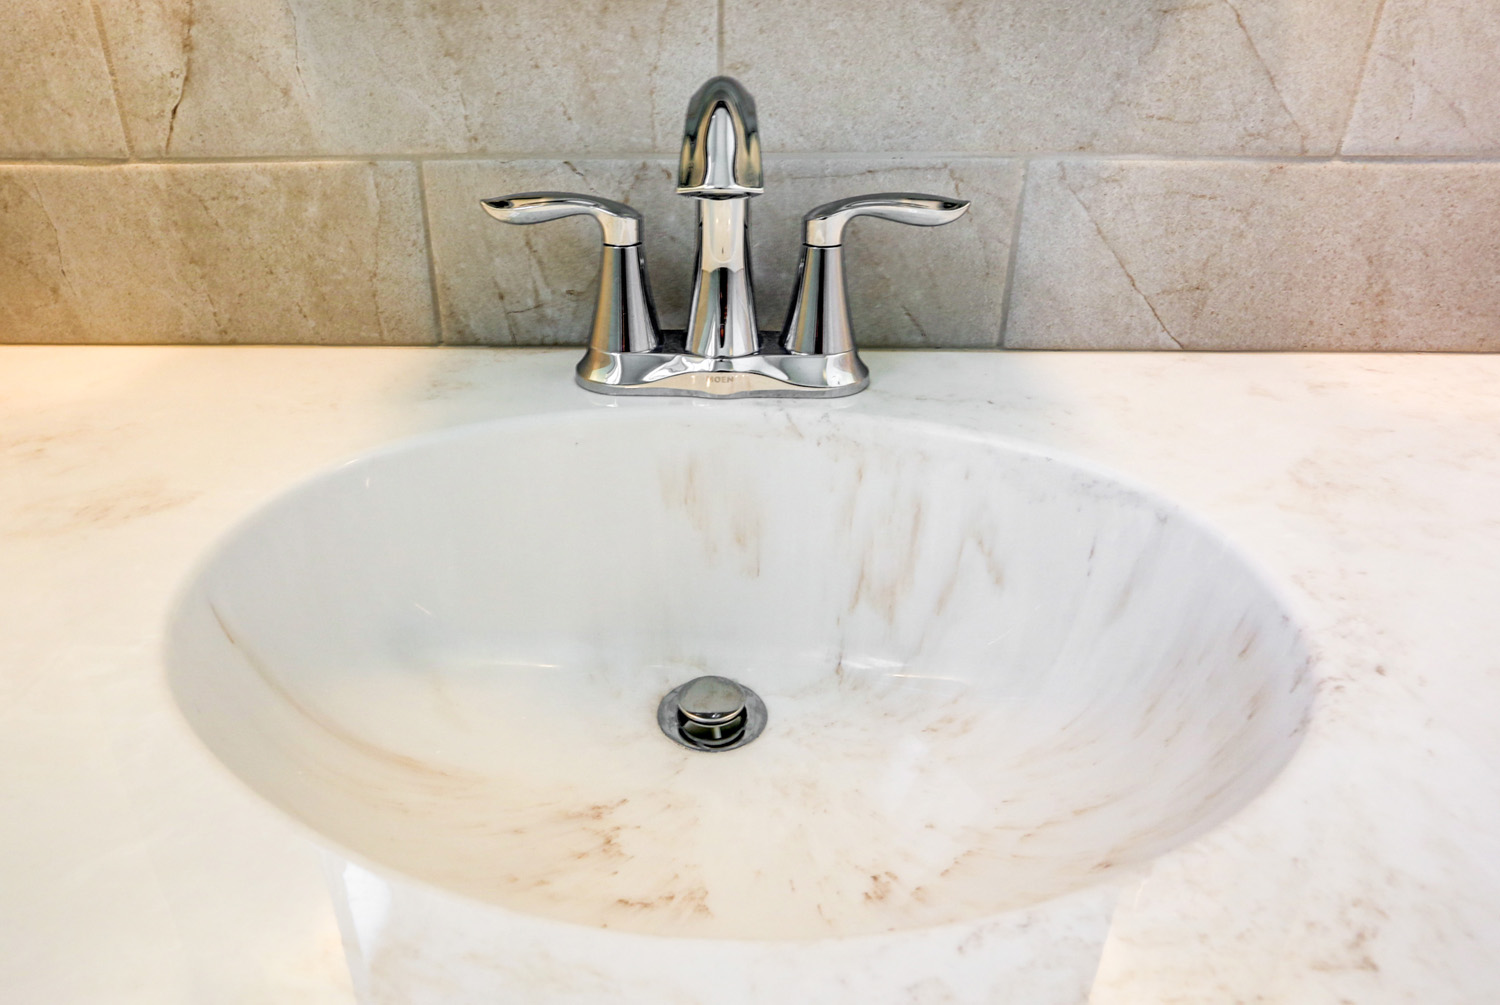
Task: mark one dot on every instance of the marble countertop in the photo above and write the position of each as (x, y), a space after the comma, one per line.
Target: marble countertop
(134, 869)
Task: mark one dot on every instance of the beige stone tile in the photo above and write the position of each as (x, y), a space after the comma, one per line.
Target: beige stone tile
(536, 285)
(1433, 81)
(1138, 255)
(1070, 290)
(1228, 76)
(908, 286)
(326, 253)
(55, 93)
(253, 77)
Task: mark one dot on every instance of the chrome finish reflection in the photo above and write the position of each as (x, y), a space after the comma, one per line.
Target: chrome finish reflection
(624, 315)
(720, 167)
(711, 713)
(722, 318)
(720, 142)
(817, 322)
(723, 354)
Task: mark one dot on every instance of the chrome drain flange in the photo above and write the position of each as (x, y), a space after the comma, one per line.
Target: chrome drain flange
(711, 713)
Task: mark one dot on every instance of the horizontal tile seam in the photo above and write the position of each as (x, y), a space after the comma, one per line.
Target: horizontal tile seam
(1369, 347)
(944, 156)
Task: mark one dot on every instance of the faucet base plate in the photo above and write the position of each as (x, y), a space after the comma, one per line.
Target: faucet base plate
(771, 373)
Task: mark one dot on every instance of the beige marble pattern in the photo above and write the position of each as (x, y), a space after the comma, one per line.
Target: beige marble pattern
(1433, 82)
(1237, 76)
(992, 678)
(254, 77)
(1140, 255)
(1364, 484)
(55, 94)
(214, 253)
(907, 286)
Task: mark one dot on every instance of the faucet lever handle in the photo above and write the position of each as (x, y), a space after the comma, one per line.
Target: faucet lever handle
(817, 323)
(823, 227)
(624, 316)
(621, 223)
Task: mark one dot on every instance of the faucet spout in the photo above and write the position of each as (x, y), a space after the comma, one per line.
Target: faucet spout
(720, 167)
(720, 143)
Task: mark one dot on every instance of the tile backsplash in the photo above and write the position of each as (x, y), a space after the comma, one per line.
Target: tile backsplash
(1237, 174)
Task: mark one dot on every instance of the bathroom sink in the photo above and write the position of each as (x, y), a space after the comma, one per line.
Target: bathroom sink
(991, 675)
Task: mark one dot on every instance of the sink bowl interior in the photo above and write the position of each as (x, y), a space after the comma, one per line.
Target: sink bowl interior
(992, 676)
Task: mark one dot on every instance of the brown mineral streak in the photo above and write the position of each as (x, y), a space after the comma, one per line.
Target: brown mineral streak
(880, 886)
(105, 509)
(607, 863)
(693, 901)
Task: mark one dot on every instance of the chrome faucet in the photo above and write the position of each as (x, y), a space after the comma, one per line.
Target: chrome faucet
(720, 168)
(723, 353)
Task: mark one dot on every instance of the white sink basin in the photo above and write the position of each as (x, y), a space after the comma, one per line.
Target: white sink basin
(992, 676)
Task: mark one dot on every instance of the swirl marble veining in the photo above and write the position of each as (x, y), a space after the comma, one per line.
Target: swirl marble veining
(1365, 485)
(993, 677)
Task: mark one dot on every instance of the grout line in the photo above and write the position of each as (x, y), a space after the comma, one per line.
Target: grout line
(1113, 158)
(1359, 81)
(721, 36)
(1398, 160)
(630, 155)
(868, 155)
(1155, 158)
(44, 162)
(559, 348)
(892, 156)
(1120, 158)
(1015, 252)
(437, 314)
(114, 84)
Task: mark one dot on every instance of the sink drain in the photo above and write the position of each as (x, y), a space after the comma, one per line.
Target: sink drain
(711, 713)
